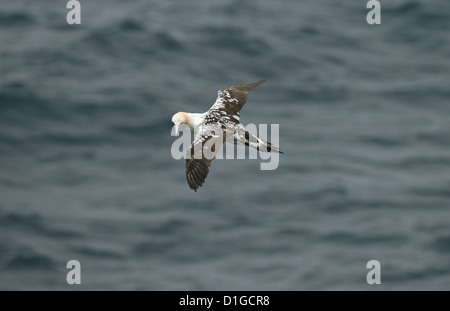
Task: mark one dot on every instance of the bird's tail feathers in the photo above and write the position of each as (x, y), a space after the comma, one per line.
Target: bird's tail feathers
(264, 146)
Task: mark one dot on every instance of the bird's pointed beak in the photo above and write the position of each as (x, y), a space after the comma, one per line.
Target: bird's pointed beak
(177, 129)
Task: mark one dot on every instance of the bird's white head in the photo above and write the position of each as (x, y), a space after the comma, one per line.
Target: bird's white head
(178, 119)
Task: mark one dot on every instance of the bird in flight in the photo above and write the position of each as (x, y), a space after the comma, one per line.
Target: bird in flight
(219, 124)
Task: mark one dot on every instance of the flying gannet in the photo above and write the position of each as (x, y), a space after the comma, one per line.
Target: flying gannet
(219, 124)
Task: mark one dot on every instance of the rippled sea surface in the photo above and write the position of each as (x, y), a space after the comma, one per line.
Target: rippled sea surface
(86, 171)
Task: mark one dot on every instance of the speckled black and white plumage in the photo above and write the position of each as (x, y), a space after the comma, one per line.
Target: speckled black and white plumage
(219, 124)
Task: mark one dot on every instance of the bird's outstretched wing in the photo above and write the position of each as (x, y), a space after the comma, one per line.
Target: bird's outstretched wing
(201, 153)
(229, 102)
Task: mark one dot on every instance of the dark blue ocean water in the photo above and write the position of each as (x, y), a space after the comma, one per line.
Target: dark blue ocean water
(86, 171)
